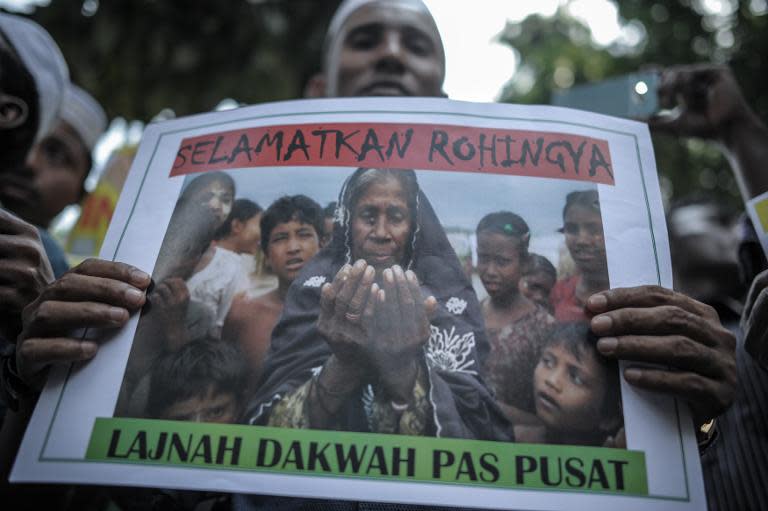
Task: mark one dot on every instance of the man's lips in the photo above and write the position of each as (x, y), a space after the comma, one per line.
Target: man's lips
(385, 88)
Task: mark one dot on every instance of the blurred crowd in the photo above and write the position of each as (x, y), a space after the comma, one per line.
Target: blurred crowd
(297, 314)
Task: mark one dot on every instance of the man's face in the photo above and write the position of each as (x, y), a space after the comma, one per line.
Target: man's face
(381, 224)
(52, 179)
(386, 50)
(214, 406)
(248, 234)
(584, 238)
(291, 245)
(498, 264)
(568, 392)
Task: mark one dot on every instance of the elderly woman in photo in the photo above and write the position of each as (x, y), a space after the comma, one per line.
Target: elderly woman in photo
(382, 330)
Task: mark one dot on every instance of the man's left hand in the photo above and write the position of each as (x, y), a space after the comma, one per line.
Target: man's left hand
(695, 355)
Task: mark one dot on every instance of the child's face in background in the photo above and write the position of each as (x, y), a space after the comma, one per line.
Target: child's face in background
(568, 392)
(213, 406)
(583, 229)
(498, 264)
(536, 287)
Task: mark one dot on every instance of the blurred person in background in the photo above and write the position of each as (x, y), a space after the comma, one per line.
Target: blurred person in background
(705, 257)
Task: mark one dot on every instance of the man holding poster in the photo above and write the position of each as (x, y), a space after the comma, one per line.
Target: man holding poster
(368, 54)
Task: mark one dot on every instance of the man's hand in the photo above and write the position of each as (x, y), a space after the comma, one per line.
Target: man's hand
(654, 325)
(94, 294)
(707, 98)
(24, 271)
(754, 320)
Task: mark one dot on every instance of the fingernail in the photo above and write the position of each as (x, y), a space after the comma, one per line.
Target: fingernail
(374, 288)
(360, 263)
(369, 272)
(88, 349)
(601, 324)
(607, 345)
(134, 296)
(139, 278)
(632, 374)
(410, 276)
(388, 276)
(117, 314)
(597, 303)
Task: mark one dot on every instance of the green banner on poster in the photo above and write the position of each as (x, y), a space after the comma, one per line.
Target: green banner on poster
(368, 455)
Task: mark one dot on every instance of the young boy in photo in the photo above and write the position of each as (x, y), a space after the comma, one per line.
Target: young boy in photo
(290, 236)
(576, 393)
(201, 382)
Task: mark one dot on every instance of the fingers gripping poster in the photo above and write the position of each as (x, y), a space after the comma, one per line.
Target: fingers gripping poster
(378, 300)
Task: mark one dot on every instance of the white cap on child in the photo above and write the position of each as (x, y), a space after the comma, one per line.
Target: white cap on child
(81, 111)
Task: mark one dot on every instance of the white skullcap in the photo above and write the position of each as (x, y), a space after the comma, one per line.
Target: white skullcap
(81, 111)
(348, 7)
(42, 57)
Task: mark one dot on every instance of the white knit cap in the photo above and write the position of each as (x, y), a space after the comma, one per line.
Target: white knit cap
(348, 7)
(81, 111)
(42, 57)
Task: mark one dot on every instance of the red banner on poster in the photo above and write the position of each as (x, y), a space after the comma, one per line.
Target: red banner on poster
(389, 145)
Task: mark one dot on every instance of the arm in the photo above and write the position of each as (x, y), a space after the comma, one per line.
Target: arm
(98, 294)
(710, 105)
(24, 268)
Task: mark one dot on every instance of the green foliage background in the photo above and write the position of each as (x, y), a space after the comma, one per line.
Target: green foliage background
(673, 32)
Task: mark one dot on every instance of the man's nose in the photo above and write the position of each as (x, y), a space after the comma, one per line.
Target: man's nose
(391, 53)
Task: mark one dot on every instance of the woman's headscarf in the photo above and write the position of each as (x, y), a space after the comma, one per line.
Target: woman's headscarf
(462, 405)
(190, 229)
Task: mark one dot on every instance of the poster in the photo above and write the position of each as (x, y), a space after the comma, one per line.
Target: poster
(304, 419)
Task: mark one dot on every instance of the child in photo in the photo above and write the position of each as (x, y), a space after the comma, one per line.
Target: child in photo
(201, 382)
(576, 393)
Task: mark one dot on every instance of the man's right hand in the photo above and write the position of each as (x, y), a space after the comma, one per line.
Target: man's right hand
(95, 294)
(708, 101)
(24, 271)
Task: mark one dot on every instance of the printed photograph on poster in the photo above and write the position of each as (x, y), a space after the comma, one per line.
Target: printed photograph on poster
(226, 264)
(348, 297)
